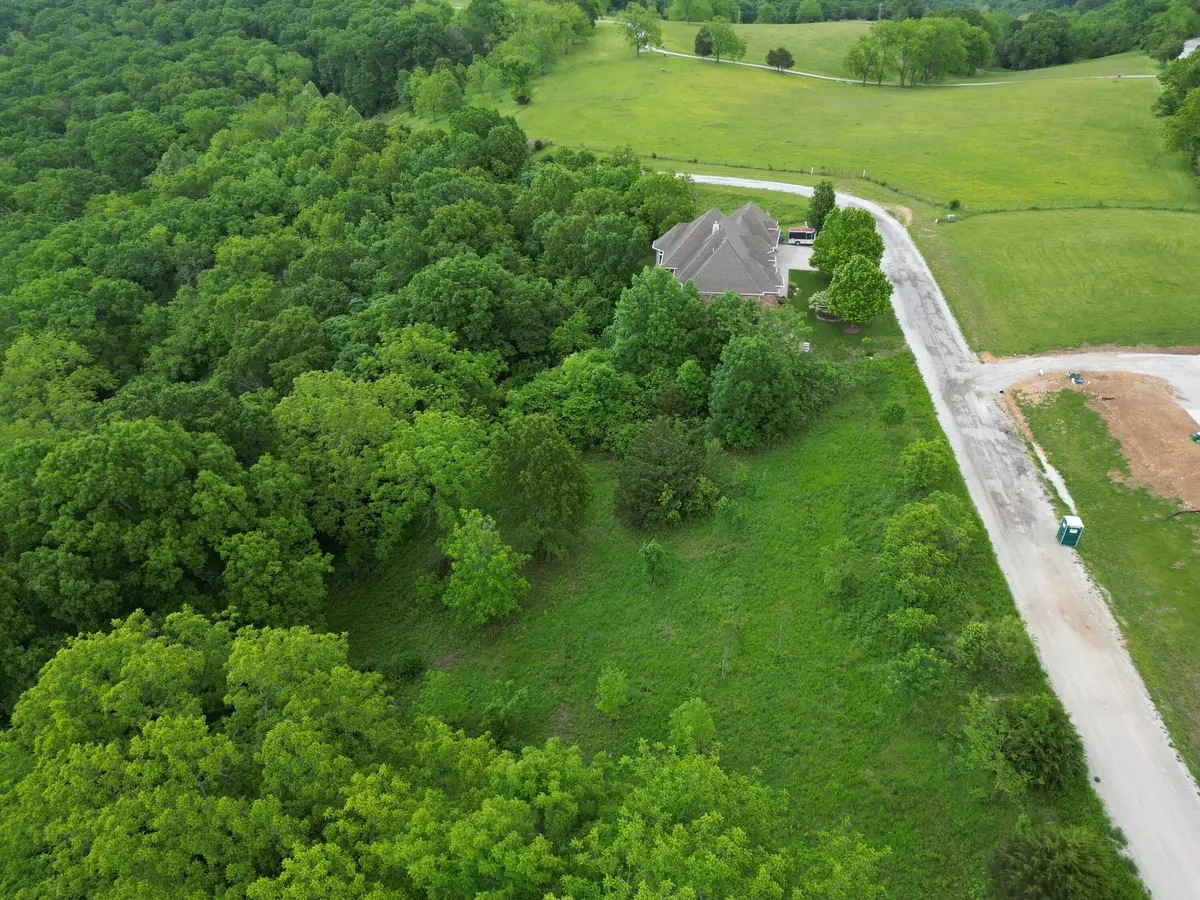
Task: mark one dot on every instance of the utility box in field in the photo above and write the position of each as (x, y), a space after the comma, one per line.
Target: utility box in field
(1069, 530)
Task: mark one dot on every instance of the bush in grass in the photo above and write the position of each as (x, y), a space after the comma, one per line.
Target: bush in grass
(892, 413)
(659, 482)
(818, 302)
(691, 726)
(920, 673)
(1054, 862)
(485, 582)
(999, 649)
(655, 560)
(985, 731)
(923, 547)
(502, 710)
(403, 667)
(926, 463)
(730, 516)
(910, 626)
(842, 567)
(612, 692)
(1041, 742)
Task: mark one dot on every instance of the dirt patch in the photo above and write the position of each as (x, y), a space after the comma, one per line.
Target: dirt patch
(902, 213)
(447, 660)
(1143, 414)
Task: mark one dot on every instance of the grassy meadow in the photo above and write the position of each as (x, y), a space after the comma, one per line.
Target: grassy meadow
(817, 48)
(1148, 565)
(1048, 142)
(797, 678)
(1029, 282)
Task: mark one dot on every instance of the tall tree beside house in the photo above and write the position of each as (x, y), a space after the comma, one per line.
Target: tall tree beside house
(725, 41)
(845, 233)
(860, 291)
(822, 204)
(780, 58)
(640, 26)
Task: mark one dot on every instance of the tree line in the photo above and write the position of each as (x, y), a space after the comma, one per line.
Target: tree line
(919, 50)
(1179, 107)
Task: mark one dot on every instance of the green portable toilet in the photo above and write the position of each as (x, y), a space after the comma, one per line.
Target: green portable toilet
(1069, 530)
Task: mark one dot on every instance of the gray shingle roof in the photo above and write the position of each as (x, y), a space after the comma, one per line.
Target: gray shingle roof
(725, 253)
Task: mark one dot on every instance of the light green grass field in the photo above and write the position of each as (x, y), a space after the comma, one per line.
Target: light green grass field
(1028, 282)
(1052, 142)
(1148, 565)
(805, 696)
(818, 47)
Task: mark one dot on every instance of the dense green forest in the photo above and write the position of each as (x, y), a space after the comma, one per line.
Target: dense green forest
(254, 333)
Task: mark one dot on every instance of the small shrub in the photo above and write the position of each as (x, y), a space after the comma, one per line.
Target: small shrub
(612, 692)
(691, 726)
(655, 560)
(537, 145)
(954, 204)
(999, 649)
(523, 98)
(731, 517)
(403, 667)
(1055, 863)
(842, 564)
(503, 709)
(1041, 742)
(984, 731)
(818, 302)
(924, 464)
(919, 673)
(910, 626)
(892, 413)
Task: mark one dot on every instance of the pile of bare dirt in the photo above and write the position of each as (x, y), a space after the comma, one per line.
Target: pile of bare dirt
(1144, 415)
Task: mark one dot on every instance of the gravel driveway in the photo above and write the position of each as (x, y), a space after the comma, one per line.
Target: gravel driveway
(1144, 784)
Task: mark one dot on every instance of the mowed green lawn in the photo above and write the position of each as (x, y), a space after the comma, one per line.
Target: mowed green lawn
(1149, 566)
(804, 696)
(818, 47)
(1045, 142)
(1028, 282)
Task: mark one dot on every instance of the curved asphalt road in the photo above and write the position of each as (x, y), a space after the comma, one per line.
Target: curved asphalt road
(1144, 784)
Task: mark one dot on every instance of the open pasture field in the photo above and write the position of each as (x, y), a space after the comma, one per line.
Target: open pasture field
(1029, 282)
(817, 47)
(804, 694)
(820, 46)
(1049, 142)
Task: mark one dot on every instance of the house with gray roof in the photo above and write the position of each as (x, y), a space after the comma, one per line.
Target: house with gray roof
(719, 252)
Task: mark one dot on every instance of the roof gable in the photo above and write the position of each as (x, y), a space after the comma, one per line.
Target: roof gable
(725, 253)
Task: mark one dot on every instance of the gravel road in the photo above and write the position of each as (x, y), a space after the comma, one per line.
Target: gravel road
(1144, 784)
